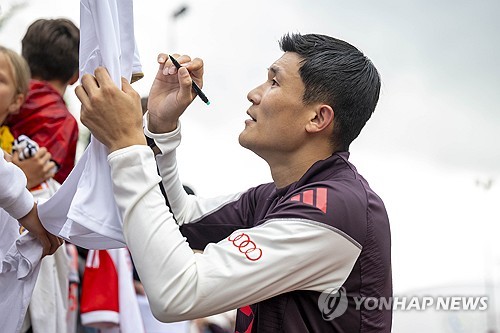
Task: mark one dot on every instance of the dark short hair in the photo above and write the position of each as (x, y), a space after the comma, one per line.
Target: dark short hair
(336, 73)
(51, 49)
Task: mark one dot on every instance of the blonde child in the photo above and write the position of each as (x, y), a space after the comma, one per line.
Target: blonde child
(15, 198)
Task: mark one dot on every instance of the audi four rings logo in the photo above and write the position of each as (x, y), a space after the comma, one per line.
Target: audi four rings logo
(246, 246)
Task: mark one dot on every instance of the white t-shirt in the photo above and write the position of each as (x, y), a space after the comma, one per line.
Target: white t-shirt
(83, 210)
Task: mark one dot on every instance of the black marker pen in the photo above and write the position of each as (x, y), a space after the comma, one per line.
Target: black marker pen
(195, 86)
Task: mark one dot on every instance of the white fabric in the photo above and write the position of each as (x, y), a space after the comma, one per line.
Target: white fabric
(48, 309)
(19, 266)
(14, 197)
(83, 211)
(130, 314)
(19, 254)
(183, 285)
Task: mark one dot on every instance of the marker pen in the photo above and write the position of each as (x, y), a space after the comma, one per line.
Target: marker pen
(195, 86)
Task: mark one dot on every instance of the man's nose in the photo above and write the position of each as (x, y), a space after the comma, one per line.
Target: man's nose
(254, 95)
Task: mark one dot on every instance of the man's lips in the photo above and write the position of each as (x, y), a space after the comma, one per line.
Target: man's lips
(252, 117)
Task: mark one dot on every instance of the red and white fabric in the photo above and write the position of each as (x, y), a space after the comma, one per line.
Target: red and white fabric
(108, 299)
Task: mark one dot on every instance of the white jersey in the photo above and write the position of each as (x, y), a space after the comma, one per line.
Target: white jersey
(83, 211)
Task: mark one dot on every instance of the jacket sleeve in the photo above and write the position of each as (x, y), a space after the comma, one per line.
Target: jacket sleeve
(186, 208)
(14, 196)
(248, 266)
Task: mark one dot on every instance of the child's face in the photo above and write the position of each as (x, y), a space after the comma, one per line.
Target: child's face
(7, 89)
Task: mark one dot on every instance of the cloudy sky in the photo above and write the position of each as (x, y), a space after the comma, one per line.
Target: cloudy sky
(430, 150)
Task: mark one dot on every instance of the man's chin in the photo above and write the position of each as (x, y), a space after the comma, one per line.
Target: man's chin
(241, 140)
(244, 141)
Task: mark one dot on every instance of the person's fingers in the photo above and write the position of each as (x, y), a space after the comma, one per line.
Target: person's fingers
(170, 68)
(103, 78)
(89, 83)
(183, 59)
(43, 155)
(82, 95)
(194, 65)
(14, 157)
(55, 242)
(175, 55)
(185, 83)
(162, 58)
(84, 92)
(195, 68)
(49, 169)
(46, 245)
(130, 91)
(127, 88)
(83, 115)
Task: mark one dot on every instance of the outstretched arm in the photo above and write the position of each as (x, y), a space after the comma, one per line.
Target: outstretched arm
(248, 266)
(31, 221)
(19, 203)
(14, 197)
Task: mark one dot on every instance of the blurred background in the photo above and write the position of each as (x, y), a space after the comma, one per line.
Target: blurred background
(431, 149)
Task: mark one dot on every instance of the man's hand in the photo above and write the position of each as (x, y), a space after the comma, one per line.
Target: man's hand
(38, 168)
(30, 221)
(113, 116)
(171, 92)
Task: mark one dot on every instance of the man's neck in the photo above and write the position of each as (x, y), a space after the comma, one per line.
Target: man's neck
(290, 169)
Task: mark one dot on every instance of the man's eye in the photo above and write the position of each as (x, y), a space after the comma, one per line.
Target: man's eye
(274, 82)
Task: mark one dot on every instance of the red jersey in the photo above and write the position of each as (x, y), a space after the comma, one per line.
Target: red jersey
(45, 118)
(108, 299)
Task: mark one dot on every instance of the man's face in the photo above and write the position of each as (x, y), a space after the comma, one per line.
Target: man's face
(276, 127)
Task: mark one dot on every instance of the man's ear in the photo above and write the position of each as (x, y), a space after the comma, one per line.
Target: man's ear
(73, 79)
(323, 118)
